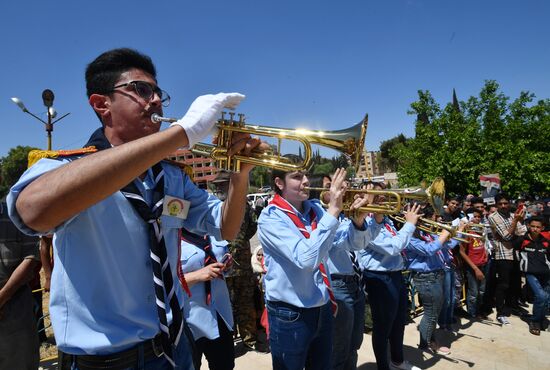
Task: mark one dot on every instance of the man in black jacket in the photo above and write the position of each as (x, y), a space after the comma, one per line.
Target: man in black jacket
(534, 261)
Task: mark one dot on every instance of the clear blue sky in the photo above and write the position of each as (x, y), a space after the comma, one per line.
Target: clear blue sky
(316, 64)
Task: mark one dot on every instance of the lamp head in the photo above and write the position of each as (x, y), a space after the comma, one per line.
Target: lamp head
(19, 104)
(47, 97)
(52, 112)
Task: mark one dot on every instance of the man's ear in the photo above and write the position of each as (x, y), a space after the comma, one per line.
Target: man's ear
(101, 104)
(279, 183)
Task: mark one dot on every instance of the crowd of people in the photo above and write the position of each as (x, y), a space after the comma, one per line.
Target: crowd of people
(151, 272)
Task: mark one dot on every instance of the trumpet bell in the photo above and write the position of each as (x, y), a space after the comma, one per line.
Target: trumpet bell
(434, 194)
(350, 142)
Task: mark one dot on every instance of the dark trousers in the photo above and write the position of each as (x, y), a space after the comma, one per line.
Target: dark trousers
(219, 352)
(39, 314)
(488, 301)
(388, 301)
(504, 287)
(347, 327)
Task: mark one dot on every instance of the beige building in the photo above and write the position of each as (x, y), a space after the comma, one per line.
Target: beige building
(370, 165)
(204, 168)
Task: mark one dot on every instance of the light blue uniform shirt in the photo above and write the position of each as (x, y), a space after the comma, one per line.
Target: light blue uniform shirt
(201, 317)
(292, 261)
(384, 252)
(102, 296)
(339, 261)
(423, 256)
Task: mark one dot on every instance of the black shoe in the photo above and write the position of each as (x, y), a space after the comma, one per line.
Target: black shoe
(460, 312)
(522, 304)
(261, 347)
(534, 328)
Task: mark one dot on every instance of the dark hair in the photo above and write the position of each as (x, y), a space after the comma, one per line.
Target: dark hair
(453, 197)
(474, 210)
(501, 196)
(475, 200)
(316, 181)
(292, 158)
(105, 70)
(428, 211)
(535, 218)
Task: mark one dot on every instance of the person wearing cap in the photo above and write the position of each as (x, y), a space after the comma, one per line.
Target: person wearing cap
(115, 209)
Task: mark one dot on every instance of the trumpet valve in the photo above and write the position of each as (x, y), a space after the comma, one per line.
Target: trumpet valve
(241, 119)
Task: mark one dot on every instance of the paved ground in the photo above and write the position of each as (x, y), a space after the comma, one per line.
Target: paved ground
(481, 345)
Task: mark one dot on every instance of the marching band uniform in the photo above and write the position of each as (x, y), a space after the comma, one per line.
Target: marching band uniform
(427, 262)
(91, 251)
(298, 296)
(347, 333)
(209, 312)
(382, 263)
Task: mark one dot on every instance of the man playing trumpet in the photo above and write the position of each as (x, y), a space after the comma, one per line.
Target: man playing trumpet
(115, 211)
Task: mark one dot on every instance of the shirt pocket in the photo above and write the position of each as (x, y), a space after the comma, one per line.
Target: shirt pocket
(171, 222)
(191, 259)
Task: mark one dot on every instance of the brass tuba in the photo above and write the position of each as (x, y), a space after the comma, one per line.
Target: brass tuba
(349, 141)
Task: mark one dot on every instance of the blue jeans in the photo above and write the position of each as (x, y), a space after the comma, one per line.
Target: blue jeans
(347, 327)
(476, 289)
(430, 290)
(388, 300)
(182, 356)
(299, 337)
(446, 315)
(540, 284)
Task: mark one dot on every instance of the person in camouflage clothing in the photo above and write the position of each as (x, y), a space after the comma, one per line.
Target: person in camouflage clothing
(241, 281)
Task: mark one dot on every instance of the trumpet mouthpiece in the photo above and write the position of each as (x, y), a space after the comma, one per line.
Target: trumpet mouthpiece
(157, 118)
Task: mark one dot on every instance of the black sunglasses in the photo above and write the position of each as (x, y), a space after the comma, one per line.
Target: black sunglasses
(146, 91)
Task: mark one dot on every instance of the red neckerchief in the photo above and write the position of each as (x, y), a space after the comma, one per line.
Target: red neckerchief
(181, 277)
(282, 204)
(390, 229)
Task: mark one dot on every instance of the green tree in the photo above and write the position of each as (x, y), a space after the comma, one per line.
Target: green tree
(485, 134)
(260, 176)
(388, 163)
(324, 168)
(13, 166)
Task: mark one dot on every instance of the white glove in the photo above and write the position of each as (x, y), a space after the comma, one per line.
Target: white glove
(203, 114)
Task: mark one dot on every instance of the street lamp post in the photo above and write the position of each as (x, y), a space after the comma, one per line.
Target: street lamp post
(47, 98)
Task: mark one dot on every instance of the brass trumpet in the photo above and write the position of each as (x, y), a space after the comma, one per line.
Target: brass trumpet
(394, 198)
(349, 141)
(435, 227)
(392, 205)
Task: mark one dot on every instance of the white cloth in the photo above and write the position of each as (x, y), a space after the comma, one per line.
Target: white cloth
(203, 114)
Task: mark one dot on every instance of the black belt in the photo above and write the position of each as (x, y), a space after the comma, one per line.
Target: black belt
(117, 361)
(351, 278)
